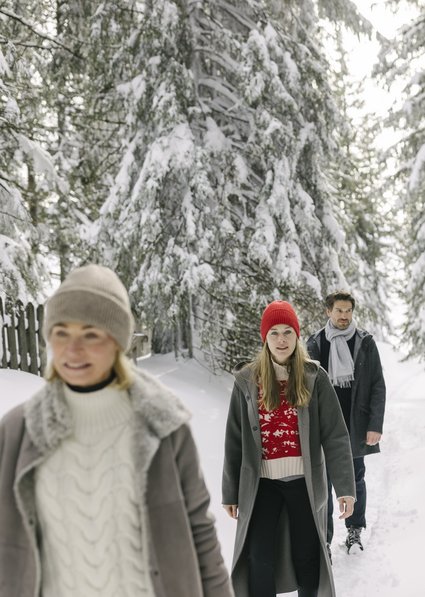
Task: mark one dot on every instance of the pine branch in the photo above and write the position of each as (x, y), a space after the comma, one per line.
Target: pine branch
(29, 26)
(12, 182)
(9, 215)
(238, 16)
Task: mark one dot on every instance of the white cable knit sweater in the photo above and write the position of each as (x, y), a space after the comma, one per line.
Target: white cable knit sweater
(87, 506)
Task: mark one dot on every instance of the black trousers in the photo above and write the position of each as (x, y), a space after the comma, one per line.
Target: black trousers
(358, 518)
(272, 496)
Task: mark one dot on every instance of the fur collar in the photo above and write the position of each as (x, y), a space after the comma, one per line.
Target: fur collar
(158, 412)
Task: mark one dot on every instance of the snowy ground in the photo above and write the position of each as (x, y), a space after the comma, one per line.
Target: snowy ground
(390, 566)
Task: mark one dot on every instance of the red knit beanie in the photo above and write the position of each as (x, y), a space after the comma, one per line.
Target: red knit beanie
(278, 312)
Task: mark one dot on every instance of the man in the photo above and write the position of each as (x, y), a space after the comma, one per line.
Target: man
(351, 358)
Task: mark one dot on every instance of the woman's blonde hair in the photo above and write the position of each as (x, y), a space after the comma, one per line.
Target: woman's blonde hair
(297, 393)
(122, 366)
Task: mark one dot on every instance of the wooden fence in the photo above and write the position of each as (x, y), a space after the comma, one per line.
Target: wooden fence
(22, 345)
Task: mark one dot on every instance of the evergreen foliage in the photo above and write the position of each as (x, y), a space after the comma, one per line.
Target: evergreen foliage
(225, 198)
(26, 170)
(200, 148)
(402, 62)
(84, 71)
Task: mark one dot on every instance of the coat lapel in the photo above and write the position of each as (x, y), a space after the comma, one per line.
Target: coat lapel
(250, 392)
(158, 413)
(304, 430)
(254, 418)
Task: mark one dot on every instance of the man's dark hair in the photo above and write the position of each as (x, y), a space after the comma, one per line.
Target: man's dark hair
(339, 295)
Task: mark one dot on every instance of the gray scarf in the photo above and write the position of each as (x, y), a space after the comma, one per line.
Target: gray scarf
(341, 366)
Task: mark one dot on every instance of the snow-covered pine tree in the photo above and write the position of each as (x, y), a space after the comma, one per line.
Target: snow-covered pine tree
(26, 170)
(402, 61)
(83, 72)
(68, 106)
(225, 197)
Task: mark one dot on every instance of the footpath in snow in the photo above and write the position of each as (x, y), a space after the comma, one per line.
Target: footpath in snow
(391, 564)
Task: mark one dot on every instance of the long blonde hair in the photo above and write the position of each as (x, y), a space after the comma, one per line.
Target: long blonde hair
(297, 393)
(122, 367)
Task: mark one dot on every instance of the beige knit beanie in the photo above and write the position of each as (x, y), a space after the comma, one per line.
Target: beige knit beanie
(94, 295)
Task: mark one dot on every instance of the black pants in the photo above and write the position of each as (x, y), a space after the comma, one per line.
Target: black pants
(272, 496)
(358, 518)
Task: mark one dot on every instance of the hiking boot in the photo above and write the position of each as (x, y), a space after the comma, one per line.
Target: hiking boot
(353, 539)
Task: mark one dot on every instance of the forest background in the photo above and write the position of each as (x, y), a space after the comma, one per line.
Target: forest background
(217, 155)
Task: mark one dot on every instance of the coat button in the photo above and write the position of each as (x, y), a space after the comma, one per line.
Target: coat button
(255, 428)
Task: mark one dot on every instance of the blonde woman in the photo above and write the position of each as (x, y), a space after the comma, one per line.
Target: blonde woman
(100, 487)
(284, 428)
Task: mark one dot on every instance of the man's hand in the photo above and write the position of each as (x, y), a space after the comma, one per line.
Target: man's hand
(372, 438)
(346, 506)
(232, 510)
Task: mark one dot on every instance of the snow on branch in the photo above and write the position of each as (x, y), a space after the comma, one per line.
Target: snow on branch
(217, 86)
(418, 170)
(41, 159)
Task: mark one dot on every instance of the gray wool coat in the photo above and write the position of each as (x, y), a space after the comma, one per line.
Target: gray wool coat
(182, 552)
(324, 442)
(367, 390)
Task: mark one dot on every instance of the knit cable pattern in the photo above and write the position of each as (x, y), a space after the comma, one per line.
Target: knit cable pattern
(87, 506)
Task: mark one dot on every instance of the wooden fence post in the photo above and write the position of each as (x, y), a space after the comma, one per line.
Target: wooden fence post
(11, 336)
(3, 363)
(41, 345)
(22, 336)
(34, 366)
(22, 343)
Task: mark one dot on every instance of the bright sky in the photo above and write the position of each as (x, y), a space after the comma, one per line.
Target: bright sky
(363, 54)
(384, 20)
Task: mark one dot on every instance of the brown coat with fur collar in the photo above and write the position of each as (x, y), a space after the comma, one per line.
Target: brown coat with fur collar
(183, 552)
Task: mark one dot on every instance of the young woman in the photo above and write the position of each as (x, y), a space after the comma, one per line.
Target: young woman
(284, 428)
(100, 488)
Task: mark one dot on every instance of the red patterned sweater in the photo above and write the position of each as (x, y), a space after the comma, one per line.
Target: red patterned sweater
(280, 440)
